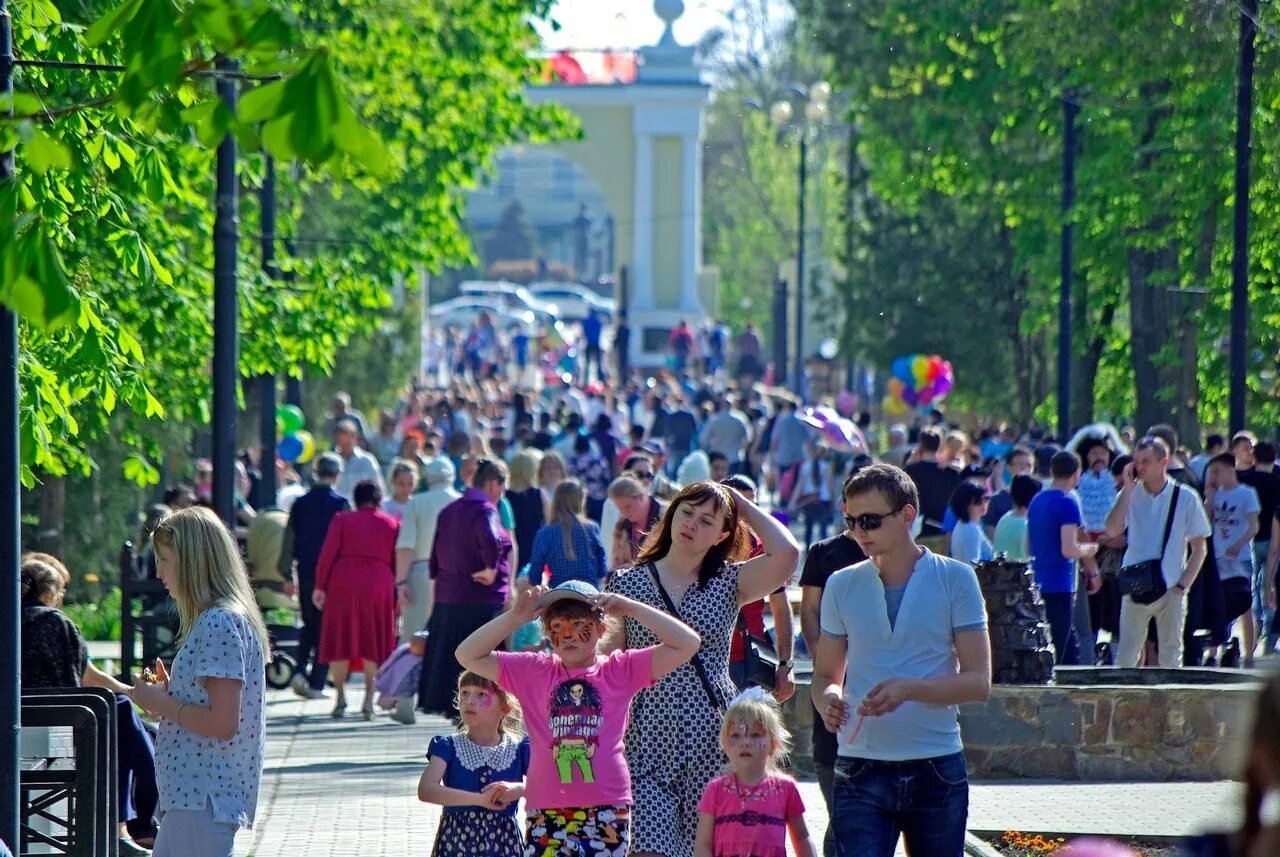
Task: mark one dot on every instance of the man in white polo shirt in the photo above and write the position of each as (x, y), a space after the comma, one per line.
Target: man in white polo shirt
(904, 641)
(1142, 509)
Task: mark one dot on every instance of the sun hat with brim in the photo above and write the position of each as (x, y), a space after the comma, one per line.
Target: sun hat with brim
(576, 590)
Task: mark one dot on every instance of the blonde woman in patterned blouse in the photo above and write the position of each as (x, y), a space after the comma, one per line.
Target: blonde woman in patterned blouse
(212, 731)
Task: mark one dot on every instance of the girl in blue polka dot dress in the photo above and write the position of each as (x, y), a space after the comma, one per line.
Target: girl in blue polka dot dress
(477, 774)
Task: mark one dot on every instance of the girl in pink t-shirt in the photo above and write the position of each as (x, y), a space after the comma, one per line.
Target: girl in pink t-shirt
(576, 703)
(750, 810)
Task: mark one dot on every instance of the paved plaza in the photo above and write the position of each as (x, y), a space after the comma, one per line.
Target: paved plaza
(346, 788)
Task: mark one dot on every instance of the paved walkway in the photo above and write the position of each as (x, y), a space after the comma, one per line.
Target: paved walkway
(347, 788)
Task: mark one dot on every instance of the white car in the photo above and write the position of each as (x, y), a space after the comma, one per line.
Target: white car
(513, 296)
(463, 312)
(575, 301)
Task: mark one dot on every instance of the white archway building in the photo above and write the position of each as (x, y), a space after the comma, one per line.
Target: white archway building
(642, 144)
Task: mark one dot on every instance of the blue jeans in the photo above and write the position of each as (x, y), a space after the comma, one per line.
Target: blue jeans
(1059, 608)
(926, 801)
(1266, 616)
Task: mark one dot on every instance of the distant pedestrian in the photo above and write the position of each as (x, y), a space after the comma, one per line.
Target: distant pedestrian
(304, 535)
(1144, 509)
(570, 545)
(357, 464)
(355, 587)
(472, 574)
(969, 542)
(1055, 532)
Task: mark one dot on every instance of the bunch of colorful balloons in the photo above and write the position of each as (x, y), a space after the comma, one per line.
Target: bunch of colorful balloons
(296, 443)
(918, 381)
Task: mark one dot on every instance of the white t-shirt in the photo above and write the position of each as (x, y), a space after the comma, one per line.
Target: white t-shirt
(1144, 520)
(1231, 510)
(942, 598)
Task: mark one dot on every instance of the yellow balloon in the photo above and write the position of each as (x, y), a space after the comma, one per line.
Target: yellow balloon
(893, 406)
(308, 446)
(920, 371)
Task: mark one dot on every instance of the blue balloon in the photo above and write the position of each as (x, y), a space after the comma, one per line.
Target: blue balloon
(902, 371)
(289, 448)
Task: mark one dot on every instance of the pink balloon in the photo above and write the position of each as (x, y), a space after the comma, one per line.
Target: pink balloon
(845, 403)
(925, 397)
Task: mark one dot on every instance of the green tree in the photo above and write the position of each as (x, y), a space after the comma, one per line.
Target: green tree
(105, 235)
(960, 113)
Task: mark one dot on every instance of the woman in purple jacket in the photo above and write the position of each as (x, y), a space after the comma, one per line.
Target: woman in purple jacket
(470, 577)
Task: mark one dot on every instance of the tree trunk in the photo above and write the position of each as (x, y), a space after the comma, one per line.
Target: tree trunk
(1084, 372)
(53, 502)
(1154, 314)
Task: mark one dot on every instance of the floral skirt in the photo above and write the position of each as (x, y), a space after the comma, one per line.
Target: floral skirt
(597, 831)
(478, 833)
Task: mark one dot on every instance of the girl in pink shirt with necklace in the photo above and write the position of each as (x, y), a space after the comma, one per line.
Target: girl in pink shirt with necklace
(750, 811)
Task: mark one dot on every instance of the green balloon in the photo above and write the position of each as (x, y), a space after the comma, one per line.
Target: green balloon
(289, 418)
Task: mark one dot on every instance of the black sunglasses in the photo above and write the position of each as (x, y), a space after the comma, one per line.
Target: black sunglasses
(868, 522)
(647, 477)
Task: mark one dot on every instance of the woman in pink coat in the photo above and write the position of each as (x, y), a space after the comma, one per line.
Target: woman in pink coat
(356, 589)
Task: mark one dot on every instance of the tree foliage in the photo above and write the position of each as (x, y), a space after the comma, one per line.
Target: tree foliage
(379, 117)
(960, 109)
(751, 184)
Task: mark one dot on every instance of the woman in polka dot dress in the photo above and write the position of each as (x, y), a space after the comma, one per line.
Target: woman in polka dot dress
(212, 726)
(690, 563)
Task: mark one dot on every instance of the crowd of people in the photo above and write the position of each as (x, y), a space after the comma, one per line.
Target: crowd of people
(585, 575)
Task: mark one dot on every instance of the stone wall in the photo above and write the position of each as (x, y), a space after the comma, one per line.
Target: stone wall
(1109, 732)
(1099, 733)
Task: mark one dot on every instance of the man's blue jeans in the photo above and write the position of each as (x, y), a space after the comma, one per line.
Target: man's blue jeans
(926, 801)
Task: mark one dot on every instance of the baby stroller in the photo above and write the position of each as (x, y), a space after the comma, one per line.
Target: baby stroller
(282, 615)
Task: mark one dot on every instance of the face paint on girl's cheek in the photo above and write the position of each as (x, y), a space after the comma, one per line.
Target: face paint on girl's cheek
(576, 630)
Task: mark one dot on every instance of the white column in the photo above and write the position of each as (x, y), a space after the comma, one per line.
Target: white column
(642, 254)
(691, 217)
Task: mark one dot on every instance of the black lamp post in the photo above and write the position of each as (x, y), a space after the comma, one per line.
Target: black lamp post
(812, 115)
(1240, 252)
(10, 538)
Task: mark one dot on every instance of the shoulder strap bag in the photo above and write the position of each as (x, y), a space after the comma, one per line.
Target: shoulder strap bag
(716, 700)
(1144, 581)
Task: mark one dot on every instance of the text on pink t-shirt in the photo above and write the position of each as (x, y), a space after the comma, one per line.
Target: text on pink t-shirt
(576, 719)
(751, 820)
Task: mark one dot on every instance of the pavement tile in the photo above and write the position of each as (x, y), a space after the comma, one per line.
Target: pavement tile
(344, 788)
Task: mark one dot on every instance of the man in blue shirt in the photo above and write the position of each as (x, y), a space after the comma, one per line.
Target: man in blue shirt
(1054, 533)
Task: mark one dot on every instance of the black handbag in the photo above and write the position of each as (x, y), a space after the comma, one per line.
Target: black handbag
(759, 655)
(1144, 581)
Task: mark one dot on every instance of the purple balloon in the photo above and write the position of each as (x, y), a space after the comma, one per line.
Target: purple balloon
(943, 385)
(909, 396)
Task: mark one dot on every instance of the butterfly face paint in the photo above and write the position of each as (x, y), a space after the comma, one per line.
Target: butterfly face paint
(580, 631)
(475, 699)
(753, 737)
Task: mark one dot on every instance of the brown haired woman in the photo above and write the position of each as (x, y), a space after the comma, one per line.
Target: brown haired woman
(691, 567)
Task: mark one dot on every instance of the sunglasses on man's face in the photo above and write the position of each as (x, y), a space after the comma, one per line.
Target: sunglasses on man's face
(868, 522)
(642, 475)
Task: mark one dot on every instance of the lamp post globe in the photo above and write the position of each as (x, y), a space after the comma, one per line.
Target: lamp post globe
(781, 113)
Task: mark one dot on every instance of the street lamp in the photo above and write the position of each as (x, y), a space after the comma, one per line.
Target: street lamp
(813, 104)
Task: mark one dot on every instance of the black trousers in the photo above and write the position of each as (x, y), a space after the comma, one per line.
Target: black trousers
(309, 639)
